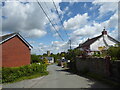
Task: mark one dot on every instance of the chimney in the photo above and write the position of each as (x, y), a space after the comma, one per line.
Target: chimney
(104, 32)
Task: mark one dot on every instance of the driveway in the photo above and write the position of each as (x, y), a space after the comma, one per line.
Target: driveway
(57, 78)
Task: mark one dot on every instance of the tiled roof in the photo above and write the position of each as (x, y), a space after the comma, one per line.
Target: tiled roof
(92, 40)
(9, 36)
(2, 38)
(113, 39)
(89, 41)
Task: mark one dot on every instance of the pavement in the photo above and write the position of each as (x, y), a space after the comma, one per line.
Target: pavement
(57, 78)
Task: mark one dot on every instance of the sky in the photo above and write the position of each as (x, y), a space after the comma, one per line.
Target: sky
(77, 21)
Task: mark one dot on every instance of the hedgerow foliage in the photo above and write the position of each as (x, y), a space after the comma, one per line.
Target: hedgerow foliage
(13, 73)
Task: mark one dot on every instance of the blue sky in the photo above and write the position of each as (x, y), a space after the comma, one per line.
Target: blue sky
(81, 20)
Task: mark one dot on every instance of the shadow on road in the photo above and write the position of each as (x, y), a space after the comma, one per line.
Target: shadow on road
(69, 72)
(96, 84)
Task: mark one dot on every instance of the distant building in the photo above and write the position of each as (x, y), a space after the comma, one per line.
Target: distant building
(15, 50)
(48, 53)
(99, 43)
(50, 59)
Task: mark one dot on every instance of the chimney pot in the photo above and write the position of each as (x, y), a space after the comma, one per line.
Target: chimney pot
(104, 32)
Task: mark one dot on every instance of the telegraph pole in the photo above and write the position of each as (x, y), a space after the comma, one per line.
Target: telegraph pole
(70, 44)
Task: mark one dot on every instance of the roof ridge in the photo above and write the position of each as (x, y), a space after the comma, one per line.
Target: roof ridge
(90, 41)
(113, 39)
(95, 37)
(9, 36)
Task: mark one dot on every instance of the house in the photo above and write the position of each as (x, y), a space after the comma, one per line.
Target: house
(15, 50)
(50, 59)
(99, 43)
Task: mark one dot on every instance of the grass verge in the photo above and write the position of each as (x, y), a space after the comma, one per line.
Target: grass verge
(29, 77)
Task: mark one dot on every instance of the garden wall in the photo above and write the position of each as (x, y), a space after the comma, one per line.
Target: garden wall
(99, 66)
(115, 70)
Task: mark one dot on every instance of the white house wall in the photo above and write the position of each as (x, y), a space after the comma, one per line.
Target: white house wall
(110, 42)
(100, 43)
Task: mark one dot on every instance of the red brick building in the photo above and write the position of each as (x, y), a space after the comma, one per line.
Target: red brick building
(15, 50)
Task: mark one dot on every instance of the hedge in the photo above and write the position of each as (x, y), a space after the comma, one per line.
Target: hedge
(13, 73)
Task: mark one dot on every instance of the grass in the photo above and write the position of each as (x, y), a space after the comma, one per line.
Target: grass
(30, 77)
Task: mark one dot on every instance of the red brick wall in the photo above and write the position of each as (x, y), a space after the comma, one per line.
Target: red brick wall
(15, 53)
(0, 55)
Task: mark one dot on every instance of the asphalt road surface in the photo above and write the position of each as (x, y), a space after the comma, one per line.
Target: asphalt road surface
(57, 78)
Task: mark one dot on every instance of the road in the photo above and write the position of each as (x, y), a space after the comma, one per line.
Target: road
(57, 78)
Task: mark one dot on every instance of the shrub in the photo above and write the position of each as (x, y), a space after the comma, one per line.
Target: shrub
(71, 55)
(97, 54)
(13, 73)
(36, 59)
(114, 52)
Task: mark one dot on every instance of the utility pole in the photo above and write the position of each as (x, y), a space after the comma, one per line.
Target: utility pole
(70, 44)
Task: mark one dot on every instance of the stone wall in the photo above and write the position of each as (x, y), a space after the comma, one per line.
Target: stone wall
(115, 70)
(100, 66)
(96, 65)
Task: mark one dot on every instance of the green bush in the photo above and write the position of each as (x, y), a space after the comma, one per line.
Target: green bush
(13, 73)
(71, 55)
(114, 52)
(36, 59)
(97, 54)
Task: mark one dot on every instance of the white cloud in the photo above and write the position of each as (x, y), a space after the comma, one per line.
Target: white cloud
(88, 30)
(76, 22)
(85, 5)
(114, 34)
(111, 23)
(69, 13)
(94, 29)
(60, 46)
(23, 18)
(66, 9)
(55, 47)
(55, 35)
(28, 18)
(35, 33)
(91, 8)
(106, 7)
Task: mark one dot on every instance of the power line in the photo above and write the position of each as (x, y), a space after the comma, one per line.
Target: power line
(49, 20)
(59, 17)
(61, 22)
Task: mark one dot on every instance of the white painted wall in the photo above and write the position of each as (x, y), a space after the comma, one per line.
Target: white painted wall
(100, 43)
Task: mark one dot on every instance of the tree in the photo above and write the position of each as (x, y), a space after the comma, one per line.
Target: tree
(45, 60)
(36, 59)
(71, 55)
(114, 52)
